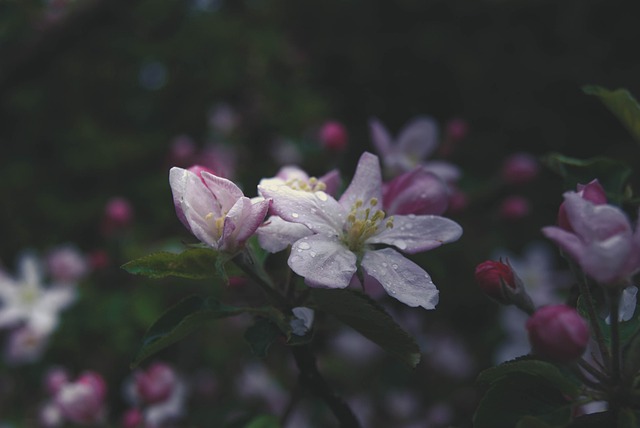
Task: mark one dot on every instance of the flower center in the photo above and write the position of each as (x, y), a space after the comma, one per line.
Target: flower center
(364, 221)
(217, 224)
(310, 185)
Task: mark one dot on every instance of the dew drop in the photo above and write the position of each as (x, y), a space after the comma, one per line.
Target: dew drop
(295, 215)
(400, 244)
(304, 246)
(321, 195)
(394, 266)
(312, 253)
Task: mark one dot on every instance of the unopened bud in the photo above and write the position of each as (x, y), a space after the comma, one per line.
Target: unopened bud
(558, 332)
(592, 192)
(500, 282)
(333, 136)
(520, 168)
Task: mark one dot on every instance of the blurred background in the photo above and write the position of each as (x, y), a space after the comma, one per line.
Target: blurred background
(99, 98)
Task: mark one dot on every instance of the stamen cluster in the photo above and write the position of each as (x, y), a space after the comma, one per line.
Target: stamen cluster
(362, 223)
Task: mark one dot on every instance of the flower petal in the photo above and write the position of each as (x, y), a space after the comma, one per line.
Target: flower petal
(224, 191)
(568, 241)
(247, 217)
(401, 278)
(416, 233)
(380, 136)
(595, 222)
(178, 178)
(316, 210)
(366, 183)
(276, 234)
(332, 181)
(419, 138)
(449, 172)
(322, 261)
(416, 192)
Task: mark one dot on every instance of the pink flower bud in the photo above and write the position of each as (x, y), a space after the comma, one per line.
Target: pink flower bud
(520, 168)
(592, 192)
(558, 332)
(333, 136)
(98, 259)
(514, 208)
(415, 192)
(492, 277)
(156, 384)
(182, 151)
(197, 169)
(457, 129)
(82, 401)
(118, 215)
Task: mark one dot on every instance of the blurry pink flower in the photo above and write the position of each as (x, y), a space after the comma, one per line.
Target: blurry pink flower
(457, 129)
(218, 158)
(458, 200)
(223, 118)
(592, 192)
(118, 215)
(415, 192)
(155, 384)
(520, 168)
(98, 259)
(55, 379)
(347, 232)
(182, 151)
(50, 416)
(417, 140)
(514, 208)
(67, 265)
(27, 301)
(83, 401)
(600, 239)
(133, 418)
(558, 332)
(333, 136)
(214, 209)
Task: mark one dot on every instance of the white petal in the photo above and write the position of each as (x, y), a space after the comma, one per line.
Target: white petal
(416, 233)
(366, 183)
(276, 234)
(401, 278)
(419, 138)
(322, 261)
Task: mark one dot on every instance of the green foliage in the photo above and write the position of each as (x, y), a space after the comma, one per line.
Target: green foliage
(627, 328)
(261, 335)
(622, 104)
(179, 321)
(194, 263)
(519, 395)
(611, 174)
(369, 319)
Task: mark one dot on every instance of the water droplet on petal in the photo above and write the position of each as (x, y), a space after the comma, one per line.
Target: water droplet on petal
(304, 246)
(312, 253)
(294, 215)
(394, 266)
(321, 195)
(400, 244)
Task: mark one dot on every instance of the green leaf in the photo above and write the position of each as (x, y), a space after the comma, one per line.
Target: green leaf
(622, 104)
(179, 321)
(611, 174)
(369, 319)
(533, 367)
(264, 421)
(261, 336)
(194, 263)
(517, 395)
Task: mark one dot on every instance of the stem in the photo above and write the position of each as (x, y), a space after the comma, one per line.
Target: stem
(246, 262)
(614, 302)
(312, 379)
(594, 321)
(584, 364)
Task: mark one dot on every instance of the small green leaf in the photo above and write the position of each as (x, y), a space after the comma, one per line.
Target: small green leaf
(264, 421)
(194, 263)
(611, 174)
(179, 321)
(261, 336)
(517, 395)
(538, 368)
(365, 316)
(622, 104)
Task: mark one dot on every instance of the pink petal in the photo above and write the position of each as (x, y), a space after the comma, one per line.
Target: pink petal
(416, 192)
(419, 138)
(332, 180)
(401, 278)
(595, 222)
(225, 191)
(247, 217)
(567, 241)
(416, 233)
(323, 261)
(276, 234)
(380, 137)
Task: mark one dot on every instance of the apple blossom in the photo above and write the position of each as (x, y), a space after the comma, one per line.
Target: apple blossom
(417, 140)
(600, 240)
(333, 136)
(83, 401)
(347, 233)
(155, 384)
(592, 191)
(277, 234)
(214, 209)
(26, 300)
